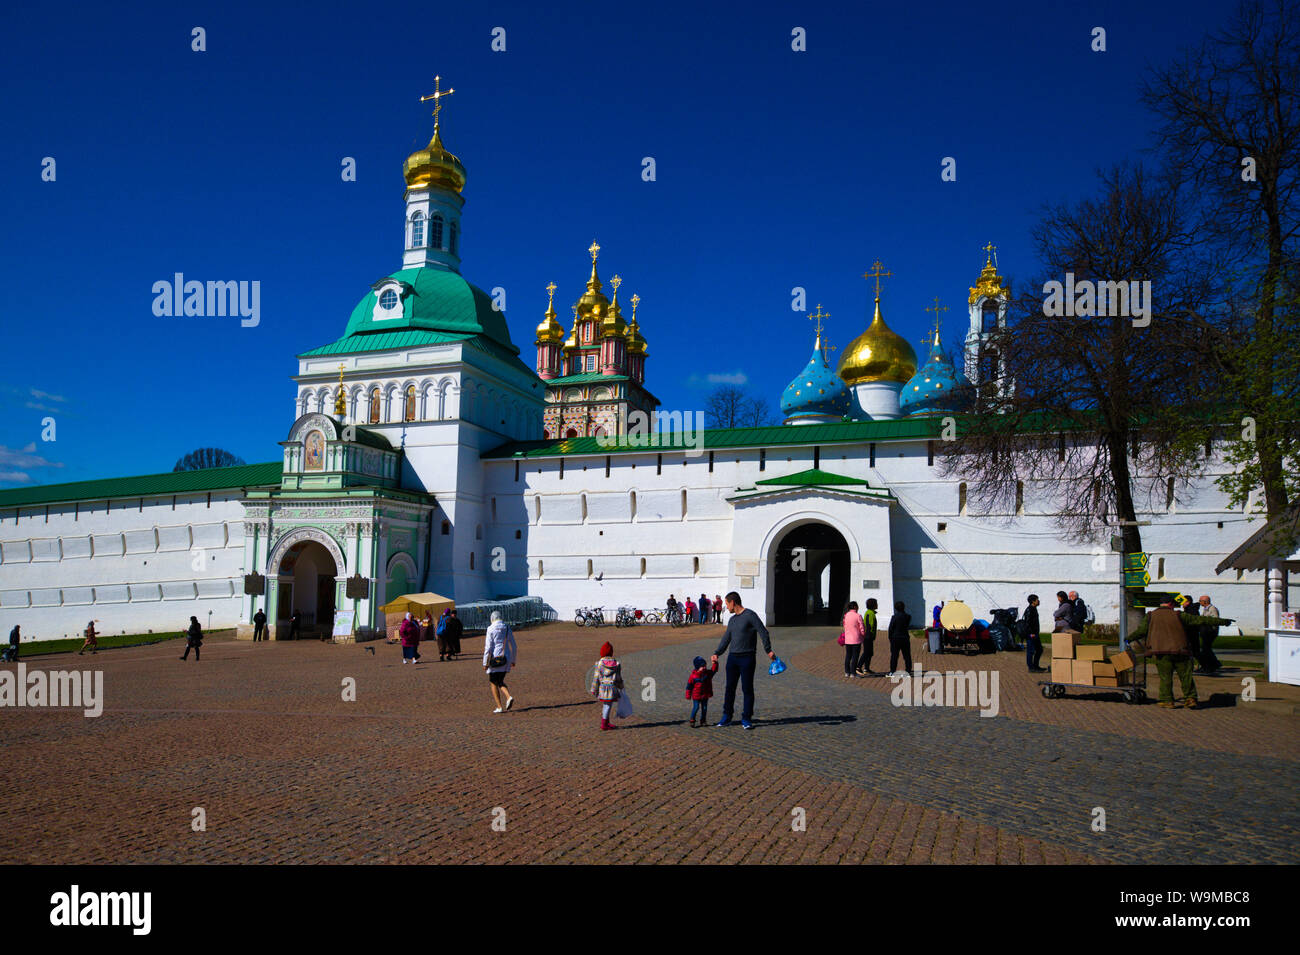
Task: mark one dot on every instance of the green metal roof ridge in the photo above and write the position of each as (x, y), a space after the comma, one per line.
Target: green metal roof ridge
(899, 429)
(146, 485)
(583, 377)
(813, 477)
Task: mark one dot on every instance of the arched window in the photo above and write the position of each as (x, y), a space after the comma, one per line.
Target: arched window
(633, 501)
(683, 505)
(435, 232)
(410, 402)
(446, 528)
(961, 498)
(417, 230)
(642, 566)
(539, 570)
(589, 569)
(478, 532)
(1020, 498)
(584, 507)
(374, 406)
(571, 433)
(696, 566)
(455, 235)
(537, 508)
(471, 560)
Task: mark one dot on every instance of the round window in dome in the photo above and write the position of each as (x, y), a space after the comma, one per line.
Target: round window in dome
(388, 300)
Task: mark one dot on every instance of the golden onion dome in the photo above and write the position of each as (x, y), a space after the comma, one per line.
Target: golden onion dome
(571, 342)
(878, 354)
(550, 330)
(434, 167)
(636, 344)
(612, 323)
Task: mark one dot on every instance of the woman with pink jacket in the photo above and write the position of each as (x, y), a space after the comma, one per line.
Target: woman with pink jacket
(854, 633)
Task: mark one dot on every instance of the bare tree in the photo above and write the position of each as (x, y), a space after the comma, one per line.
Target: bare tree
(202, 458)
(729, 406)
(1231, 127)
(1095, 415)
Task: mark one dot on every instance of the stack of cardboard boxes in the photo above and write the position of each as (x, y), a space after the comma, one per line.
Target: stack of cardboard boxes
(1089, 665)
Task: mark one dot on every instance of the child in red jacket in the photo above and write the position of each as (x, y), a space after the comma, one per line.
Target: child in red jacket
(699, 688)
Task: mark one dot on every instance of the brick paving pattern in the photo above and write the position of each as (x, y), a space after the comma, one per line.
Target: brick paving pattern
(258, 735)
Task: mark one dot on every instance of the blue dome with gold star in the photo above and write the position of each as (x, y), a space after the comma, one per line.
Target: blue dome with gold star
(937, 385)
(818, 394)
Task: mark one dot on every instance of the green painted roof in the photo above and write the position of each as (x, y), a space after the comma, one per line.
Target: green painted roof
(812, 477)
(585, 377)
(146, 485)
(903, 429)
(384, 341)
(439, 301)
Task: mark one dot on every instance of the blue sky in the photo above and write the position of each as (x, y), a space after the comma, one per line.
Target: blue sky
(775, 169)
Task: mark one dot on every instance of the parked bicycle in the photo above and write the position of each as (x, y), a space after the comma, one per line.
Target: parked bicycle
(590, 617)
(626, 617)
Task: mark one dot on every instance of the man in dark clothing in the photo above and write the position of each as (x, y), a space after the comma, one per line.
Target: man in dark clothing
(1208, 661)
(295, 622)
(900, 641)
(742, 634)
(14, 637)
(259, 626)
(193, 640)
(1029, 634)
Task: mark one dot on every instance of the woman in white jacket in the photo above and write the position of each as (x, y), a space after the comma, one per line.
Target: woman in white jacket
(499, 653)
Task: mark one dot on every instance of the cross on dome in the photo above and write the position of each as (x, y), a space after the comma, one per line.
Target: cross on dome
(877, 272)
(437, 95)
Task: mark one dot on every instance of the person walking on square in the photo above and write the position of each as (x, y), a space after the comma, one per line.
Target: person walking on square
(1167, 642)
(607, 684)
(869, 624)
(1029, 634)
(409, 632)
(743, 632)
(259, 626)
(1208, 661)
(295, 624)
(193, 639)
(717, 608)
(705, 607)
(92, 639)
(699, 689)
(11, 654)
(900, 641)
(454, 630)
(854, 632)
(499, 655)
(689, 615)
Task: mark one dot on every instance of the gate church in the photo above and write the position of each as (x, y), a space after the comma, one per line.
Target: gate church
(426, 455)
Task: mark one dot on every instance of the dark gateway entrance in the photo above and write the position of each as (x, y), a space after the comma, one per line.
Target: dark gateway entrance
(816, 592)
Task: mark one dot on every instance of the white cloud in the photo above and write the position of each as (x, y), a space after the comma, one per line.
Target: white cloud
(732, 378)
(36, 393)
(15, 463)
(18, 477)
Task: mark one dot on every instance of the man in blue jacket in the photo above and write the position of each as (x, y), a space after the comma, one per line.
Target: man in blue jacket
(742, 634)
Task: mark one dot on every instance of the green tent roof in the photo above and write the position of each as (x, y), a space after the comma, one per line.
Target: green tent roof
(147, 485)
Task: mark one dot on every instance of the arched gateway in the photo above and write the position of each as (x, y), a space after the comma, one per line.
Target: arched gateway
(809, 576)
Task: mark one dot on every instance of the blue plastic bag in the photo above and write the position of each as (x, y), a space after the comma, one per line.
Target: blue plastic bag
(776, 667)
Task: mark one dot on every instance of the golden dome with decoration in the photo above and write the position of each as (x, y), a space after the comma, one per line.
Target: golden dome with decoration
(879, 353)
(612, 323)
(989, 284)
(433, 166)
(550, 330)
(593, 303)
(636, 344)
